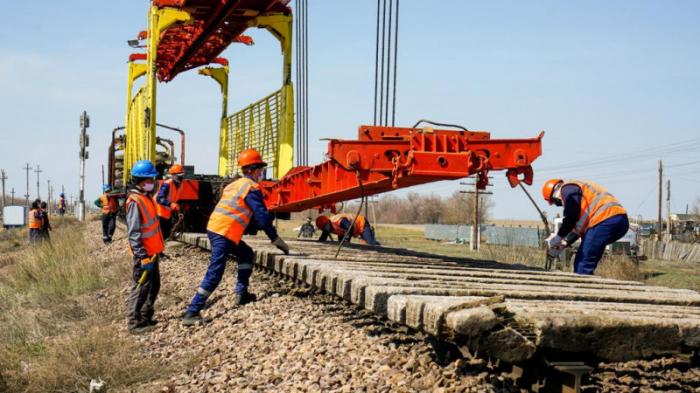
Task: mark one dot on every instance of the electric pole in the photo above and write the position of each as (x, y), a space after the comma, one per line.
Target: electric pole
(668, 210)
(48, 196)
(12, 201)
(3, 177)
(103, 176)
(37, 171)
(476, 230)
(84, 155)
(26, 196)
(658, 223)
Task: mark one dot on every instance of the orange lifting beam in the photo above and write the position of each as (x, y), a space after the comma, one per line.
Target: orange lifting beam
(383, 159)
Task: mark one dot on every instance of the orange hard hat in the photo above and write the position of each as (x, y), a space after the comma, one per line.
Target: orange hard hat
(250, 157)
(321, 221)
(176, 169)
(548, 189)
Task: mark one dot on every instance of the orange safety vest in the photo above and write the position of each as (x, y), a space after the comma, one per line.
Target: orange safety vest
(597, 205)
(34, 223)
(151, 236)
(109, 204)
(232, 215)
(166, 211)
(338, 230)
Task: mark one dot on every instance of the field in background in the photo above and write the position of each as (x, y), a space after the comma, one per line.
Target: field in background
(653, 272)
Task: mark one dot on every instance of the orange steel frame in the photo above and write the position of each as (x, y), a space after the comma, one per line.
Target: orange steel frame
(387, 158)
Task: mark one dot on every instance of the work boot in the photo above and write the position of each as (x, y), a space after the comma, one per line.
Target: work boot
(141, 328)
(191, 318)
(151, 322)
(245, 298)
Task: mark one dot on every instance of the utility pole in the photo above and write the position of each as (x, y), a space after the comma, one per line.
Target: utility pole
(3, 177)
(37, 171)
(103, 176)
(48, 197)
(476, 230)
(84, 155)
(26, 196)
(668, 210)
(658, 223)
(12, 201)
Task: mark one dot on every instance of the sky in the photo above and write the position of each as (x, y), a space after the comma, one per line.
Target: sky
(614, 84)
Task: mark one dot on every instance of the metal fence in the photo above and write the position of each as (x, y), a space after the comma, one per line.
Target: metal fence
(509, 236)
(256, 126)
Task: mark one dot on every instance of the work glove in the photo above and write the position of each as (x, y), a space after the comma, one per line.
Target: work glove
(281, 245)
(147, 264)
(555, 251)
(553, 240)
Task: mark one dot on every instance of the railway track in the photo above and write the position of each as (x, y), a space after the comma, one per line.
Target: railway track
(546, 324)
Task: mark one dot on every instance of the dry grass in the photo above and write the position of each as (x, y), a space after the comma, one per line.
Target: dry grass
(619, 267)
(52, 337)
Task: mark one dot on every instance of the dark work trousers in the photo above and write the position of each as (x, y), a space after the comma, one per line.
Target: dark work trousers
(166, 226)
(109, 224)
(594, 241)
(221, 248)
(143, 297)
(34, 235)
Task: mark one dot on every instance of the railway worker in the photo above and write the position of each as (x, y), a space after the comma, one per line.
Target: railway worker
(167, 199)
(45, 224)
(35, 222)
(339, 224)
(145, 243)
(110, 207)
(240, 209)
(591, 213)
(61, 204)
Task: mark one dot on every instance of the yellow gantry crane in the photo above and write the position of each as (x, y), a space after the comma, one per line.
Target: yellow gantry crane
(181, 37)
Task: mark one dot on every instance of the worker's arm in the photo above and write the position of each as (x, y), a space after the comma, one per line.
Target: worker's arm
(162, 197)
(133, 231)
(571, 195)
(262, 217)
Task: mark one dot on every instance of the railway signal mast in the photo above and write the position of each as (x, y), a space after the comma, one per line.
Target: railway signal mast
(84, 155)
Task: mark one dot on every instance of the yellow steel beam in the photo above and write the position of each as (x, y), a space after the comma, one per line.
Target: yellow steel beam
(280, 26)
(220, 75)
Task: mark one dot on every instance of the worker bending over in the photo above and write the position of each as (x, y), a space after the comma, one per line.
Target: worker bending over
(339, 224)
(589, 212)
(110, 207)
(167, 199)
(146, 243)
(240, 210)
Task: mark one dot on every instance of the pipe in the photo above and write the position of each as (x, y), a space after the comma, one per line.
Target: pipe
(182, 141)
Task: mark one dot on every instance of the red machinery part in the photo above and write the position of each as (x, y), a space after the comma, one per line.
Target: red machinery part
(388, 158)
(215, 24)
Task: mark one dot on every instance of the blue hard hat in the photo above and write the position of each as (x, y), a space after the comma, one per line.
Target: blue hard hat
(62, 194)
(144, 168)
(106, 187)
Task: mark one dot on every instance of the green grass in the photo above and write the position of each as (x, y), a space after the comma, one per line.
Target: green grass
(671, 274)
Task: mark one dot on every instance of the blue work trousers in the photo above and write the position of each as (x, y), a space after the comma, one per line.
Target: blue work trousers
(221, 248)
(368, 236)
(595, 240)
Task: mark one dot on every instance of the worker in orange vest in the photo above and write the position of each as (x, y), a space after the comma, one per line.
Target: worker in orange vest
(145, 243)
(240, 210)
(110, 207)
(35, 221)
(340, 223)
(591, 213)
(167, 199)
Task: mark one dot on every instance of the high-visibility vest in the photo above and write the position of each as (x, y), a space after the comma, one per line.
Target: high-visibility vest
(597, 205)
(232, 215)
(338, 230)
(172, 197)
(109, 205)
(151, 237)
(34, 223)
